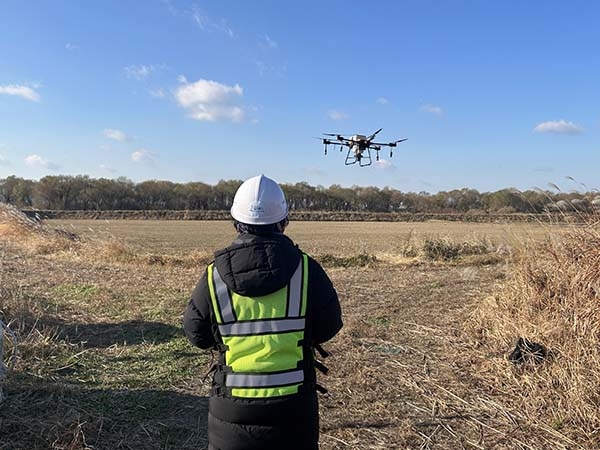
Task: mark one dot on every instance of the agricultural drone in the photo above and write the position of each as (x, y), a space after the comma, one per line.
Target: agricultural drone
(359, 147)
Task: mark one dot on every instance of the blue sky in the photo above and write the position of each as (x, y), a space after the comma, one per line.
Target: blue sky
(489, 94)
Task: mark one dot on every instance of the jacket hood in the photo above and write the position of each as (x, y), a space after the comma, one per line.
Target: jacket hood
(254, 266)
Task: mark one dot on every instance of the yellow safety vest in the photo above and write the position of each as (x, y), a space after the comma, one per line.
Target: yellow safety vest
(262, 336)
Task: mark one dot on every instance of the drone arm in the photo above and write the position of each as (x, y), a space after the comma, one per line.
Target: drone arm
(343, 140)
(338, 137)
(389, 144)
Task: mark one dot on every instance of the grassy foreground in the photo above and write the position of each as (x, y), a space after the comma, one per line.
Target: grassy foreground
(553, 298)
(421, 362)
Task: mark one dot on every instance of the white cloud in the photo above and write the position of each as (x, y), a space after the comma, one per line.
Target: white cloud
(4, 161)
(200, 18)
(432, 109)
(207, 23)
(27, 92)
(138, 72)
(382, 101)
(335, 114)
(558, 127)
(206, 91)
(37, 161)
(384, 164)
(71, 47)
(143, 155)
(211, 101)
(107, 168)
(114, 134)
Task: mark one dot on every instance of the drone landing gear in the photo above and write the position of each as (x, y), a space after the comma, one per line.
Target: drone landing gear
(362, 160)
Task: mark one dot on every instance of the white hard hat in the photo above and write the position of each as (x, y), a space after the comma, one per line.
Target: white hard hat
(259, 201)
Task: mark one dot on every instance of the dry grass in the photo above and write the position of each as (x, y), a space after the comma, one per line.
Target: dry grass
(31, 235)
(38, 238)
(116, 250)
(103, 363)
(550, 298)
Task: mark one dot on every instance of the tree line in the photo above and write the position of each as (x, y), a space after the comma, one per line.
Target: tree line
(81, 192)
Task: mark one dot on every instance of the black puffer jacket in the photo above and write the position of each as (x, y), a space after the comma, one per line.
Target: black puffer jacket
(255, 266)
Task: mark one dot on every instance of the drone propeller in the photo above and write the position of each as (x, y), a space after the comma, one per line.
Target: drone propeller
(374, 134)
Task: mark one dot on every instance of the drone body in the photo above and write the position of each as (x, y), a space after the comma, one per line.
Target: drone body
(359, 147)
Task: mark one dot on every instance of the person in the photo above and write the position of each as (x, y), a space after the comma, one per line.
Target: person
(265, 306)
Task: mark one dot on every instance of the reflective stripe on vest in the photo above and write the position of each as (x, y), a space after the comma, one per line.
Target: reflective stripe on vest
(261, 327)
(223, 297)
(254, 327)
(252, 380)
(295, 292)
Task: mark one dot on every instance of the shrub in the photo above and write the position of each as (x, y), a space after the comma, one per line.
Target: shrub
(359, 260)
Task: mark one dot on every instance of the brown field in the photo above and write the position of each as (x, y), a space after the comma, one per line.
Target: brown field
(103, 363)
(322, 237)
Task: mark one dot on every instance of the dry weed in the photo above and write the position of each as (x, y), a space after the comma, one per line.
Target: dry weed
(551, 298)
(35, 238)
(32, 235)
(446, 249)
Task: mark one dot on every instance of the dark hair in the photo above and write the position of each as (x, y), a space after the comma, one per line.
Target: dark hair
(261, 230)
